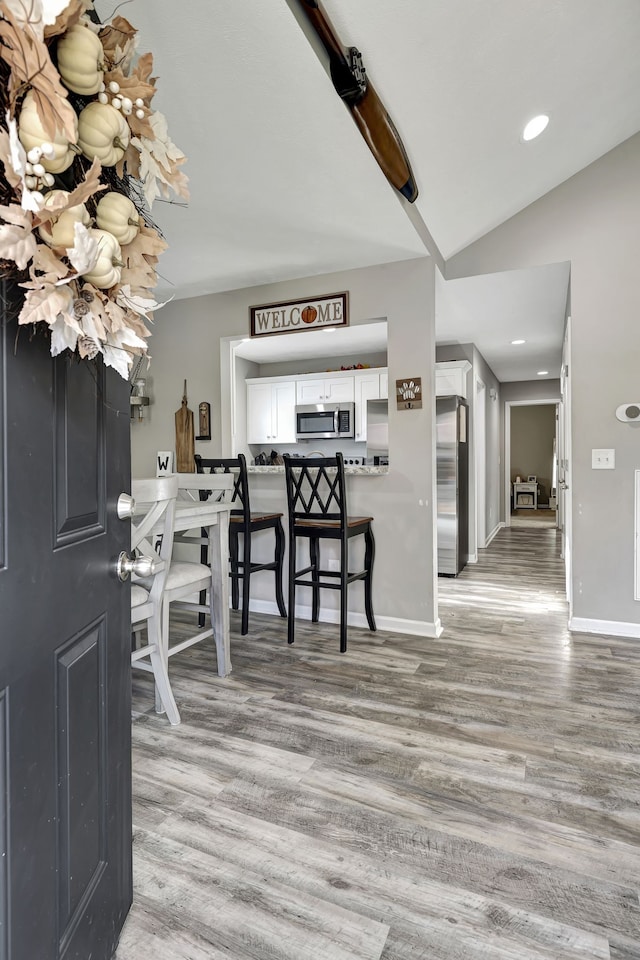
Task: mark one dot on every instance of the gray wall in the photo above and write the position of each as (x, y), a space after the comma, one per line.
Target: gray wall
(533, 431)
(593, 221)
(186, 343)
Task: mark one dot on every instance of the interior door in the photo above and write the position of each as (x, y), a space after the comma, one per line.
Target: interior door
(65, 720)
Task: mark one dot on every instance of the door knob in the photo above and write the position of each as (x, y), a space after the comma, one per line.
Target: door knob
(141, 566)
(126, 506)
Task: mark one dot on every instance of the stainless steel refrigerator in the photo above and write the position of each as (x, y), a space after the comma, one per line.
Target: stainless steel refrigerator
(452, 462)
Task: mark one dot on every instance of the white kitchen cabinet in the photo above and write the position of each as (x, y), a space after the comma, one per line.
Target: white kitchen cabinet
(324, 389)
(451, 378)
(384, 385)
(367, 387)
(271, 411)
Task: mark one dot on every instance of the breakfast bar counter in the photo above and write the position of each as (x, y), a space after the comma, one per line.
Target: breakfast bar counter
(350, 471)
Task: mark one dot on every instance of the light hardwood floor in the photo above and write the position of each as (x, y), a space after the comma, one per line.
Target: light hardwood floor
(474, 797)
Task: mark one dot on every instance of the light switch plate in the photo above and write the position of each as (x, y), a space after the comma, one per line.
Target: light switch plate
(603, 459)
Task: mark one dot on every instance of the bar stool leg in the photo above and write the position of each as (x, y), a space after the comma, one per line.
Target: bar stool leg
(314, 556)
(279, 531)
(369, 556)
(344, 585)
(246, 583)
(233, 554)
(292, 589)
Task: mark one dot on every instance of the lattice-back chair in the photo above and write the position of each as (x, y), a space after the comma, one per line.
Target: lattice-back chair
(317, 504)
(243, 522)
(159, 498)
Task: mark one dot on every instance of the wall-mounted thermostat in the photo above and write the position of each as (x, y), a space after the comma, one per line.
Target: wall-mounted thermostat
(629, 412)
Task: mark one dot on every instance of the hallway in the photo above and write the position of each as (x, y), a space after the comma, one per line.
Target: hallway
(470, 797)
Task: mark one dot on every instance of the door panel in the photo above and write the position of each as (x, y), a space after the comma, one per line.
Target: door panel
(65, 655)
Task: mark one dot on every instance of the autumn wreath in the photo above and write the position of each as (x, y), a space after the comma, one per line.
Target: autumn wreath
(84, 157)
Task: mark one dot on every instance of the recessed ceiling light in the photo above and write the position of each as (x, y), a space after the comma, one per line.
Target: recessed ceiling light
(542, 373)
(535, 127)
(516, 343)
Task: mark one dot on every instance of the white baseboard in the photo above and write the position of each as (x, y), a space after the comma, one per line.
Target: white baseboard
(415, 628)
(472, 558)
(494, 532)
(610, 628)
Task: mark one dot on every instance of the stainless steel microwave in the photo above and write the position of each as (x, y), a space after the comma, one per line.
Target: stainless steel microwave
(325, 421)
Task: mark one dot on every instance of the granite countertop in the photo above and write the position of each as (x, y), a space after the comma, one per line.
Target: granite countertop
(350, 471)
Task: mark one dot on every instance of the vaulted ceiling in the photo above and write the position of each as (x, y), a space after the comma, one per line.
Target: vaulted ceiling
(282, 184)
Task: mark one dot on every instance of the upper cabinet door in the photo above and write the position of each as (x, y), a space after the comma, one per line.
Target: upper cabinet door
(310, 391)
(367, 387)
(328, 390)
(339, 390)
(259, 420)
(283, 412)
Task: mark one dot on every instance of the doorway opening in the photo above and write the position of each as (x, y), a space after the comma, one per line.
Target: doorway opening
(531, 469)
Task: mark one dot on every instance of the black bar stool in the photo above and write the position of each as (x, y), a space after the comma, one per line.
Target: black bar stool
(317, 503)
(242, 521)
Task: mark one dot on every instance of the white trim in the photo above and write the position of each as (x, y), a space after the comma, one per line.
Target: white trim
(418, 628)
(636, 539)
(472, 557)
(498, 527)
(610, 628)
(479, 458)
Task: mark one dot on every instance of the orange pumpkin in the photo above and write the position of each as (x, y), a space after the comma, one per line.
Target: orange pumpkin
(309, 314)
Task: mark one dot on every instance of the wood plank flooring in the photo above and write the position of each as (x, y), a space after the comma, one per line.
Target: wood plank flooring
(469, 798)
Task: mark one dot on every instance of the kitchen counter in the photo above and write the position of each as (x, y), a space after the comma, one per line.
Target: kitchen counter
(350, 471)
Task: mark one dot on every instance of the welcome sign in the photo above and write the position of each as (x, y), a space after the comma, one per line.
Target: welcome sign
(298, 315)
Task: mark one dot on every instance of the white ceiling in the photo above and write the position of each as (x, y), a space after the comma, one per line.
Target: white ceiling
(497, 308)
(283, 185)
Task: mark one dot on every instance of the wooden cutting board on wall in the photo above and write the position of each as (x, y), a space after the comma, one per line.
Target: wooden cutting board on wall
(185, 437)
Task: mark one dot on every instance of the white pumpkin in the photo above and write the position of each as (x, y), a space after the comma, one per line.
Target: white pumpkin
(108, 268)
(32, 134)
(80, 60)
(59, 231)
(117, 214)
(103, 133)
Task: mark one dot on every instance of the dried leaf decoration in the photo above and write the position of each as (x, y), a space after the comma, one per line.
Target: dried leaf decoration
(67, 17)
(31, 66)
(17, 242)
(118, 38)
(48, 235)
(36, 14)
(89, 186)
(45, 304)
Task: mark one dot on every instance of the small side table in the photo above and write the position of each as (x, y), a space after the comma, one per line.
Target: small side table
(525, 496)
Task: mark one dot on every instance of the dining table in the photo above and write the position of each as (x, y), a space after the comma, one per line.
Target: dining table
(193, 515)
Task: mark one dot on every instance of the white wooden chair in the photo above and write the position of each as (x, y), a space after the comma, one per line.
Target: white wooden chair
(159, 496)
(187, 579)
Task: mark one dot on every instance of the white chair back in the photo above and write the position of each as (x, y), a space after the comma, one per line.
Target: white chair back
(153, 521)
(154, 498)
